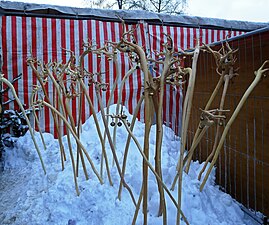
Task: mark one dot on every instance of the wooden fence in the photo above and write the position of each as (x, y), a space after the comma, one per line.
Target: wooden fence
(243, 166)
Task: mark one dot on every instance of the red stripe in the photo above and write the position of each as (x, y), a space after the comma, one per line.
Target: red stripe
(178, 111)
(45, 39)
(73, 48)
(131, 82)
(63, 55)
(154, 46)
(154, 38)
(80, 29)
(4, 44)
(161, 38)
(107, 63)
(63, 40)
(54, 39)
(170, 93)
(188, 38)
(24, 65)
(113, 37)
(195, 41)
(223, 34)
(90, 60)
(177, 103)
(218, 35)
(181, 38)
(54, 59)
(122, 69)
(138, 72)
(4, 48)
(206, 36)
(14, 51)
(234, 33)
(201, 36)
(99, 69)
(45, 60)
(165, 88)
(212, 36)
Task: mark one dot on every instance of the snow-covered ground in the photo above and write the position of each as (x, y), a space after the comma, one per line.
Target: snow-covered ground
(28, 197)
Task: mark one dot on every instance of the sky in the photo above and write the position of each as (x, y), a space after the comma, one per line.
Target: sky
(246, 10)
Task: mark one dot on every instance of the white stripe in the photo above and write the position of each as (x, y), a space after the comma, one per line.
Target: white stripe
(215, 35)
(59, 43)
(221, 35)
(9, 57)
(192, 41)
(50, 85)
(85, 39)
(20, 62)
(204, 36)
(127, 83)
(94, 58)
(185, 38)
(76, 52)
(110, 71)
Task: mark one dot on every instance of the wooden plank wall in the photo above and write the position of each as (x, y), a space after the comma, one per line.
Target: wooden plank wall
(243, 166)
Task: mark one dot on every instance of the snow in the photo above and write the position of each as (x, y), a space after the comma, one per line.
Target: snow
(27, 196)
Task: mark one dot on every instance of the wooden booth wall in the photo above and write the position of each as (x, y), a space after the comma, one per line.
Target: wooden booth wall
(243, 165)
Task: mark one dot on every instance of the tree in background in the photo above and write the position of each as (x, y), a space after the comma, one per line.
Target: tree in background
(159, 6)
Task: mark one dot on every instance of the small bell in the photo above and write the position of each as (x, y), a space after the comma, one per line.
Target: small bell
(119, 124)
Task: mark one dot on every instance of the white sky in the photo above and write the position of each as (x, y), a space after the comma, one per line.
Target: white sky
(247, 10)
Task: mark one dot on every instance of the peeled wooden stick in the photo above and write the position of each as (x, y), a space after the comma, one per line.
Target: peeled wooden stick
(113, 150)
(127, 75)
(65, 111)
(35, 116)
(84, 89)
(159, 132)
(259, 74)
(190, 91)
(138, 206)
(4, 80)
(226, 83)
(75, 136)
(185, 121)
(144, 66)
(79, 153)
(224, 60)
(153, 170)
(128, 141)
(115, 60)
(195, 141)
(42, 82)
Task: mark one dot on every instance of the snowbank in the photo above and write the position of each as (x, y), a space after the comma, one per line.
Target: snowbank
(29, 197)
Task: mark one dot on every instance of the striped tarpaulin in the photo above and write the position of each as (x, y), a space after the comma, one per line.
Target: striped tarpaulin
(45, 39)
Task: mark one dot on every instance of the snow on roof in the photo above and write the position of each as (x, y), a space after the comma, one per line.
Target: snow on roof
(20, 8)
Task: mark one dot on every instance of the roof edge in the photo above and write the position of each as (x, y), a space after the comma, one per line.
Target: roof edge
(130, 16)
